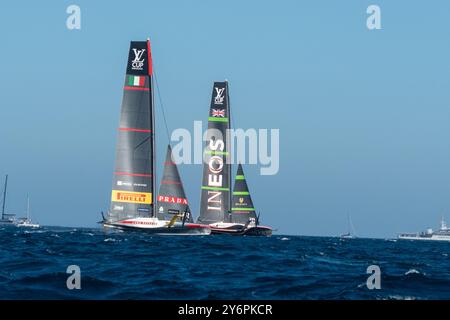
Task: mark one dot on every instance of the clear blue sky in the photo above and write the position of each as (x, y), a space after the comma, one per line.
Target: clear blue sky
(363, 115)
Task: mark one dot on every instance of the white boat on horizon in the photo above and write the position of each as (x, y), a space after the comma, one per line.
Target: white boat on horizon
(350, 234)
(443, 234)
(26, 222)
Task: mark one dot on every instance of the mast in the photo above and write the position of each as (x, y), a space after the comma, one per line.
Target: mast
(229, 156)
(28, 207)
(349, 224)
(4, 197)
(351, 228)
(152, 115)
(443, 224)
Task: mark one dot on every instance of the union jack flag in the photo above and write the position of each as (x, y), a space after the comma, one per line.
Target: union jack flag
(218, 113)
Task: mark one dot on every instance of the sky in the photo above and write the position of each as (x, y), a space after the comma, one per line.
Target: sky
(363, 114)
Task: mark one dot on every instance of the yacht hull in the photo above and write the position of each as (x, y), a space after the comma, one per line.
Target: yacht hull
(433, 238)
(7, 223)
(151, 228)
(258, 231)
(242, 230)
(32, 226)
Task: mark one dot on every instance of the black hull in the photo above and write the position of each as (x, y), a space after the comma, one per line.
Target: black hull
(258, 231)
(251, 231)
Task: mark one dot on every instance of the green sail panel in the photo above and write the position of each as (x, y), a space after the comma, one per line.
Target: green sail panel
(133, 177)
(171, 197)
(242, 209)
(215, 203)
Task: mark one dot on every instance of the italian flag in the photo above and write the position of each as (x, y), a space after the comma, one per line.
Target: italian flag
(136, 81)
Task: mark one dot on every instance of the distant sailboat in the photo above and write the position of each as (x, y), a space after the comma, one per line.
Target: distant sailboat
(7, 219)
(133, 204)
(26, 222)
(350, 234)
(216, 208)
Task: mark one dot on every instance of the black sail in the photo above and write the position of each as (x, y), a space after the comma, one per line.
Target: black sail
(133, 178)
(172, 198)
(216, 183)
(243, 209)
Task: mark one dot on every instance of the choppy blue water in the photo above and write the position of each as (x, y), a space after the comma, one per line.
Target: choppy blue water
(115, 265)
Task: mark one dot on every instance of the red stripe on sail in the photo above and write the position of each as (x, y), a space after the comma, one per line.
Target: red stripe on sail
(169, 163)
(170, 182)
(136, 88)
(132, 174)
(134, 130)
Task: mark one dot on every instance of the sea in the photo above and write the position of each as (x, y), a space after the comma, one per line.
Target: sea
(39, 264)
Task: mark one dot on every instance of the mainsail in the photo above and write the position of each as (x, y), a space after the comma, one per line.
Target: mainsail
(243, 210)
(216, 184)
(133, 178)
(172, 198)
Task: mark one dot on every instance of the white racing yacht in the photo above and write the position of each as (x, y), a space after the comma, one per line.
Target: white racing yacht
(133, 202)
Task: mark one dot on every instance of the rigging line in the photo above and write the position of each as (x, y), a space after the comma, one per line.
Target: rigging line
(161, 105)
(141, 143)
(232, 120)
(233, 124)
(231, 153)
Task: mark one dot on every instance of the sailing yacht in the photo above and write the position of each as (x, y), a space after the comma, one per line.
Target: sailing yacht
(133, 204)
(6, 219)
(216, 208)
(26, 222)
(350, 234)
